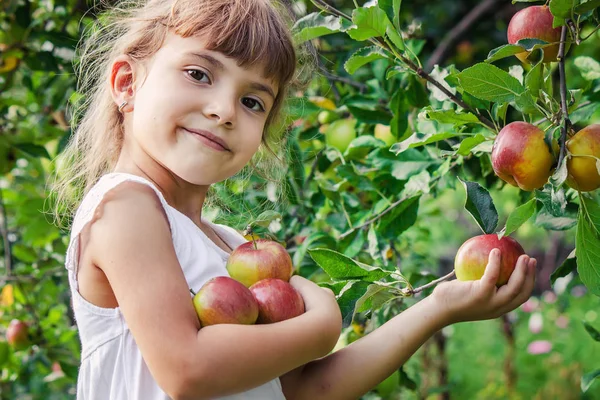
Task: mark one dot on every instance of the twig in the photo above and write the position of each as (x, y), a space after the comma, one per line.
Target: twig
(573, 29)
(361, 86)
(4, 232)
(411, 64)
(411, 292)
(583, 104)
(563, 96)
(390, 208)
(455, 33)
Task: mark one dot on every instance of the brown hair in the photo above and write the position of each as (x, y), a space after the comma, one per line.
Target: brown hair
(249, 31)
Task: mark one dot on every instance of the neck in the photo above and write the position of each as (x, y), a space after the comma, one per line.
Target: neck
(181, 195)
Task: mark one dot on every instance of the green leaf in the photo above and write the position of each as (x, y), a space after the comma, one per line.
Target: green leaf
(588, 379)
(362, 57)
(587, 6)
(395, 37)
(587, 244)
(374, 298)
(519, 216)
(347, 298)
(470, 143)
(503, 51)
(315, 25)
(563, 8)
(452, 117)
(568, 266)
(421, 139)
(560, 174)
(489, 82)
(33, 150)
(592, 331)
(370, 22)
(546, 220)
(340, 267)
(534, 80)
(266, 218)
(481, 206)
(402, 217)
(589, 68)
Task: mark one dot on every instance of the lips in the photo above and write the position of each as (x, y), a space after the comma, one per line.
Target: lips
(219, 143)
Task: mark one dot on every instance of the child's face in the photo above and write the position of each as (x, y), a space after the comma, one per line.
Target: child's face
(197, 113)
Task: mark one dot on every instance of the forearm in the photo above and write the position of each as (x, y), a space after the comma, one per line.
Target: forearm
(234, 358)
(357, 368)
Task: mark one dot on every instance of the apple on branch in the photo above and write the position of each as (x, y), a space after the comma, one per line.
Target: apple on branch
(521, 156)
(584, 159)
(535, 22)
(472, 257)
(17, 334)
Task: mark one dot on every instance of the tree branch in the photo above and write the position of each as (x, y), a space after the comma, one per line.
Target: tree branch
(439, 54)
(4, 233)
(411, 64)
(411, 292)
(563, 96)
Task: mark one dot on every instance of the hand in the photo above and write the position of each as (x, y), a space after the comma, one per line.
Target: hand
(481, 299)
(319, 301)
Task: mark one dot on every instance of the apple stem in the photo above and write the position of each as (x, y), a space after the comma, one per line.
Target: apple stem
(411, 292)
(563, 96)
(192, 291)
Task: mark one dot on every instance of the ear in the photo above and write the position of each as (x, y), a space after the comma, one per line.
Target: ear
(122, 81)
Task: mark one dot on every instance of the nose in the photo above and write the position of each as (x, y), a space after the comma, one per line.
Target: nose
(222, 110)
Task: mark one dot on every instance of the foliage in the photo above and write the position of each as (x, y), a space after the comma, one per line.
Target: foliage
(373, 219)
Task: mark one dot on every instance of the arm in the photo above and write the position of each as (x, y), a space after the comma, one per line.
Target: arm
(131, 243)
(357, 368)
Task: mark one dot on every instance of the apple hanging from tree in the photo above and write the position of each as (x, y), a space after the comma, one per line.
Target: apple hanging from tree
(223, 300)
(17, 334)
(259, 259)
(584, 162)
(340, 133)
(535, 22)
(521, 156)
(277, 301)
(472, 257)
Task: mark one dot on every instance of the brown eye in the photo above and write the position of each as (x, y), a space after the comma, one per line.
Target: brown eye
(252, 104)
(198, 75)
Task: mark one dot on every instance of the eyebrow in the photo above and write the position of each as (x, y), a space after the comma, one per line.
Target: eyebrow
(219, 65)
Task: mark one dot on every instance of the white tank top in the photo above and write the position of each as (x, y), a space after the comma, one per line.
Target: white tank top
(112, 367)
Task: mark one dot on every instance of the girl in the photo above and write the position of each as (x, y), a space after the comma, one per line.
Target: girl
(182, 94)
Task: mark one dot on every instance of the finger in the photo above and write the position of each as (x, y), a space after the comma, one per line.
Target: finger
(508, 292)
(527, 287)
(492, 270)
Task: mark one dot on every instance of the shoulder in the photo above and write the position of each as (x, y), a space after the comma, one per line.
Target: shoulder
(130, 217)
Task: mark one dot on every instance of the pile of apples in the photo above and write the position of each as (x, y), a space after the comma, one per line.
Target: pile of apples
(521, 156)
(257, 289)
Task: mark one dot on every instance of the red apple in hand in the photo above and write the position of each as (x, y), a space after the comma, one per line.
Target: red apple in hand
(17, 334)
(472, 257)
(277, 300)
(534, 22)
(584, 148)
(521, 157)
(223, 300)
(259, 259)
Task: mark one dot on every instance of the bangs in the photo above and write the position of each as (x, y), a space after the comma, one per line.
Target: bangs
(248, 31)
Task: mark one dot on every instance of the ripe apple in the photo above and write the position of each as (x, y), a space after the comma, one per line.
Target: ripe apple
(583, 171)
(534, 22)
(472, 257)
(17, 334)
(277, 300)
(521, 157)
(223, 300)
(259, 259)
(340, 133)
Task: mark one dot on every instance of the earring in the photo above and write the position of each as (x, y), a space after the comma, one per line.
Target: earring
(123, 104)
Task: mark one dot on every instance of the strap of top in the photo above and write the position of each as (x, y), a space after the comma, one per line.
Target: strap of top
(86, 210)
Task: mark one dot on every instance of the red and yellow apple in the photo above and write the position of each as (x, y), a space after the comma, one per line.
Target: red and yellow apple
(17, 334)
(583, 163)
(521, 156)
(277, 301)
(472, 257)
(534, 22)
(259, 259)
(223, 300)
